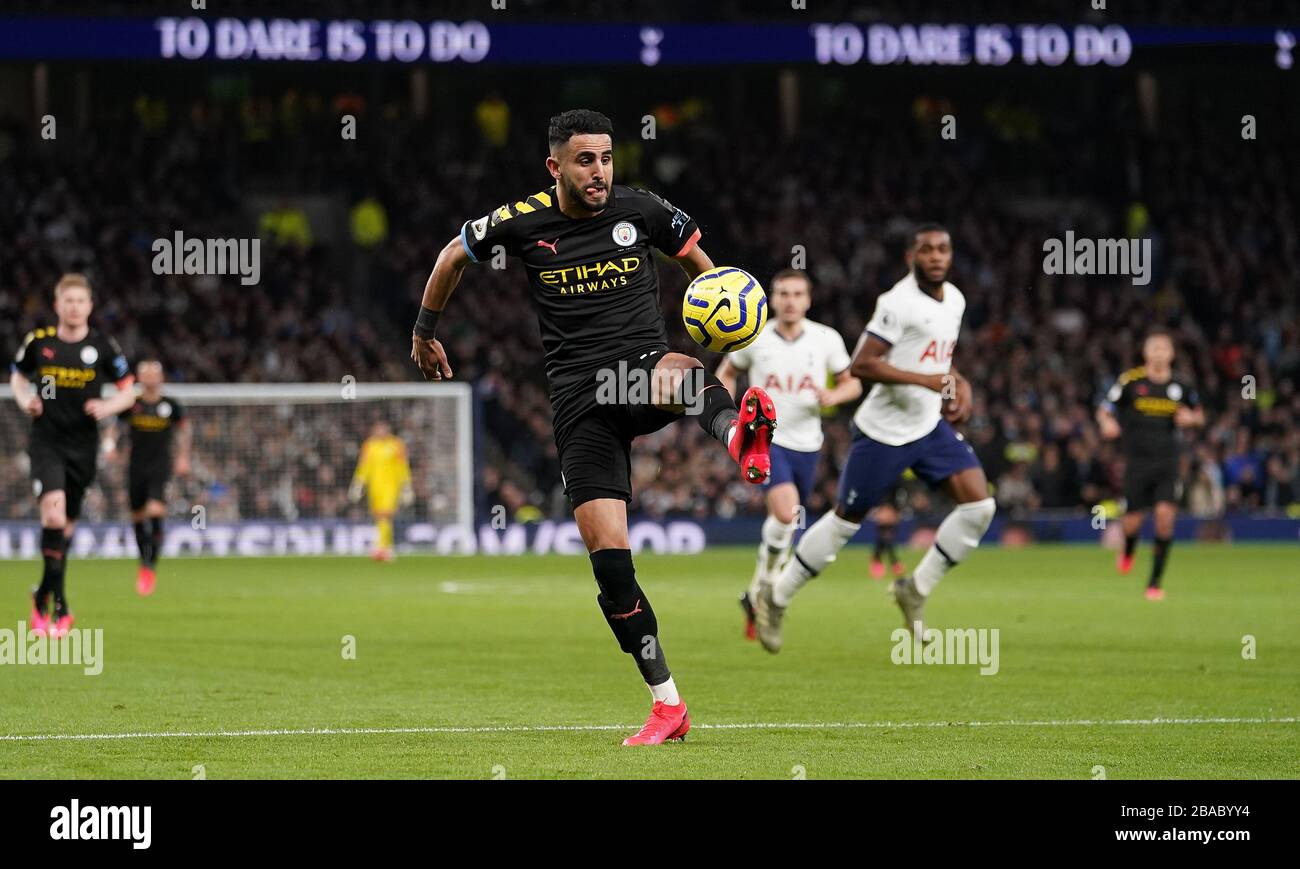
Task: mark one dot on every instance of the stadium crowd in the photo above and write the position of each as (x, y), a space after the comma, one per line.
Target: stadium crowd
(1040, 349)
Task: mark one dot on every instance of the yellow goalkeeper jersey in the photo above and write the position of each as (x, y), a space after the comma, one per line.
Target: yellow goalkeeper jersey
(382, 467)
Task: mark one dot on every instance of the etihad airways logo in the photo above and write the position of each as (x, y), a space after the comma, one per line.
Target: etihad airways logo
(591, 277)
(66, 378)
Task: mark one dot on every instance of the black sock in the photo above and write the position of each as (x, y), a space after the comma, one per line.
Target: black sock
(629, 614)
(1130, 544)
(52, 554)
(1162, 555)
(58, 576)
(885, 542)
(156, 540)
(717, 409)
(143, 540)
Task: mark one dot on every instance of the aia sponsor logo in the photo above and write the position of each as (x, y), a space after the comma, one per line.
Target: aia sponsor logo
(939, 351)
(787, 384)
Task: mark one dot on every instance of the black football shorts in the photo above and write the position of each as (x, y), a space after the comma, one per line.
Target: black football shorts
(146, 484)
(63, 467)
(1147, 484)
(595, 448)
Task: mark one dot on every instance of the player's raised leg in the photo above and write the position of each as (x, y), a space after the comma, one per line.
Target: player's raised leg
(627, 610)
(682, 385)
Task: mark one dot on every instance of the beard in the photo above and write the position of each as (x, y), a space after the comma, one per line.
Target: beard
(923, 280)
(578, 196)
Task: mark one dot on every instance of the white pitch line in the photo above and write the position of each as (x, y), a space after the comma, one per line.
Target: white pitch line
(551, 728)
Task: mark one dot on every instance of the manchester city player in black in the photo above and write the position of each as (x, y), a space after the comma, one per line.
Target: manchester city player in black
(154, 421)
(1147, 406)
(586, 244)
(57, 377)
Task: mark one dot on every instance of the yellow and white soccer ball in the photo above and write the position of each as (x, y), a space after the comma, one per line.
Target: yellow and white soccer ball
(724, 309)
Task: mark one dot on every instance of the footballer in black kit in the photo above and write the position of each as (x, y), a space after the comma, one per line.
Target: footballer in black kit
(587, 245)
(1145, 408)
(153, 423)
(57, 377)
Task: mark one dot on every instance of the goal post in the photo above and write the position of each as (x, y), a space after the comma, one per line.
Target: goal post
(274, 460)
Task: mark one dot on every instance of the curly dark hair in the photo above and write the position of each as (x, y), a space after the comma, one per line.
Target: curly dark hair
(575, 122)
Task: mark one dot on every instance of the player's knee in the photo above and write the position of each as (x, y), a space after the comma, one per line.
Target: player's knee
(54, 510)
(678, 379)
(976, 517)
(850, 514)
(785, 514)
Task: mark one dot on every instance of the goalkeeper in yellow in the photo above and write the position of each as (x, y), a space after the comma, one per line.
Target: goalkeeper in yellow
(384, 475)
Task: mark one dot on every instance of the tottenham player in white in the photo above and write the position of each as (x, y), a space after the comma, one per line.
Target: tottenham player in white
(905, 421)
(792, 360)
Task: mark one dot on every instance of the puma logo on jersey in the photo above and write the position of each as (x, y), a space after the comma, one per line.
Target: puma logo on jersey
(550, 244)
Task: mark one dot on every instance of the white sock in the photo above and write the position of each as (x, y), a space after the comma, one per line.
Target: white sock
(957, 537)
(666, 691)
(817, 548)
(776, 539)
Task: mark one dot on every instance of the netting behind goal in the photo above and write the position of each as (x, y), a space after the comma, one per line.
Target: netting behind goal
(282, 453)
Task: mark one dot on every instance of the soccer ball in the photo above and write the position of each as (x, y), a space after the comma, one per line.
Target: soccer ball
(724, 309)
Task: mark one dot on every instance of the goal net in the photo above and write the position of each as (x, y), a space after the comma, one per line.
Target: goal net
(271, 465)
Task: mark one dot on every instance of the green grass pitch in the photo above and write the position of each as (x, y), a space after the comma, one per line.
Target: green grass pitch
(502, 667)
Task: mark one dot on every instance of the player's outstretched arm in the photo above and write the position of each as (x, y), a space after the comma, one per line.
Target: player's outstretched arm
(958, 397)
(1189, 417)
(694, 262)
(1107, 423)
(728, 374)
(847, 388)
(24, 396)
(184, 448)
(427, 351)
(869, 364)
(104, 408)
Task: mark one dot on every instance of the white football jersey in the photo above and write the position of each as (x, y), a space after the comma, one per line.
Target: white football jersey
(922, 333)
(792, 372)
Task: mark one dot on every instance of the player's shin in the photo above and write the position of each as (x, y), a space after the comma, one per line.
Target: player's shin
(717, 409)
(631, 618)
(51, 568)
(144, 541)
(58, 571)
(817, 548)
(1161, 548)
(776, 541)
(155, 539)
(957, 537)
